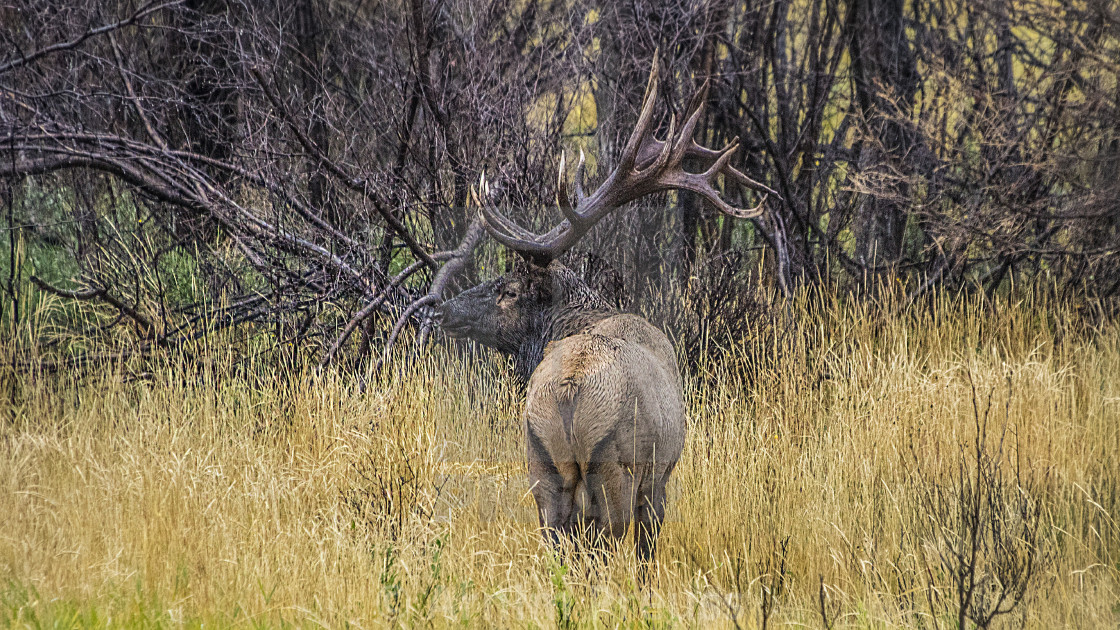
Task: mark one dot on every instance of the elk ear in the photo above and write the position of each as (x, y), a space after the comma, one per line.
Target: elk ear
(525, 259)
(525, 267)
(540, 278)
(520, 266)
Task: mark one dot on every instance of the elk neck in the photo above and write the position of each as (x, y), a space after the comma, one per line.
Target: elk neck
(575, 308)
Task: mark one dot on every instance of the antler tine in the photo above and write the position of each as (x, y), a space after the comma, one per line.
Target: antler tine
(562, 199)
(512, 235)
(745, 213)
(686, 146)
(741, 178)
(704, 183)
(642, 127)
(723, 160)
(665, 154)
(515, 237)
(580, 194)
(474, 192)
(562, 193)
(500, 224)
(692, 117)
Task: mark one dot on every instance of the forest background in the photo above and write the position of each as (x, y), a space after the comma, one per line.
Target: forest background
(223, 400)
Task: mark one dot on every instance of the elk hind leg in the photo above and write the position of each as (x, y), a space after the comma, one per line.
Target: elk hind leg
(650, 513)
(555, 497)
(608, 508)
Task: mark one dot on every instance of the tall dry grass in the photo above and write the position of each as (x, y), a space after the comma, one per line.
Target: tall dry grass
(821, 484)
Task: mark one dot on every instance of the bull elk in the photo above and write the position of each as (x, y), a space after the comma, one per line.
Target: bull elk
(604, 420)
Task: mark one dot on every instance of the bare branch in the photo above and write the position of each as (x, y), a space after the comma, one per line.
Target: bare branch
(141, 13)
(347, 180)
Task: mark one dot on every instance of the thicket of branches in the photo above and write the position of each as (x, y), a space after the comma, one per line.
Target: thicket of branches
(304, 167)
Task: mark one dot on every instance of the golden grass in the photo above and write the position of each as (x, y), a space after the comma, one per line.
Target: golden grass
(249, 499)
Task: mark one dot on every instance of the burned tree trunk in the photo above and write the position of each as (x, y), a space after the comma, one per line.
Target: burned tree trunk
(886, 80)
(309, 46)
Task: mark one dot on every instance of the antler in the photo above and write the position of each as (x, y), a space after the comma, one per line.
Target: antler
(647, 165)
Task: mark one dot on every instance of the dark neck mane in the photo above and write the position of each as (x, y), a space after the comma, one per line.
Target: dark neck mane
(576, 307)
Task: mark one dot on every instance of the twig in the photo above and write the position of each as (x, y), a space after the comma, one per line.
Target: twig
(94, 293)
(459, 258)
(373, 305)
(140, 14)
(822, 597)
(158, 139)
(350, 182)
(401, 321)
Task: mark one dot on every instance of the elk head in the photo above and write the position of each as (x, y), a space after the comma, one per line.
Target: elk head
(501, 313)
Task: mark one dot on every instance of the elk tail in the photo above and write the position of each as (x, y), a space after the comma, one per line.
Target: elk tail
(566, 404)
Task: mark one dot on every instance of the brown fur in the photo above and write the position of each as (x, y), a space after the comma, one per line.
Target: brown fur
(605, 421)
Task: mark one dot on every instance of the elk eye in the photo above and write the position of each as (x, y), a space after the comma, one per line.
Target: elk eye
(509, 294)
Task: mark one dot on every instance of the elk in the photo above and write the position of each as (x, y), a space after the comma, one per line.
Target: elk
(604, 419)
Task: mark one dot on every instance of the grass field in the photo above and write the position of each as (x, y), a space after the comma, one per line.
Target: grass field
(847, 480)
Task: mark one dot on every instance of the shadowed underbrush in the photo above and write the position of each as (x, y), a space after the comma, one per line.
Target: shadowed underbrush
(956, 464)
